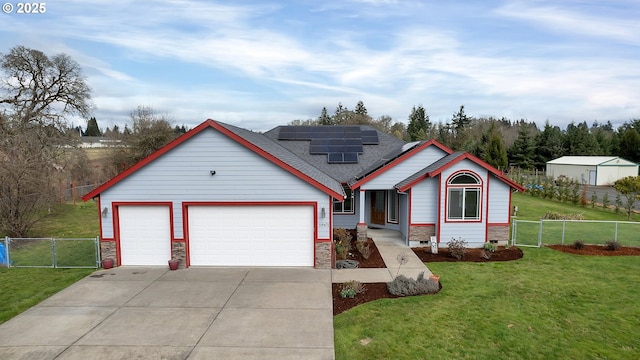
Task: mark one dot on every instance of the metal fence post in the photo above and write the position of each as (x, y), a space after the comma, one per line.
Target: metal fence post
(564, 222)
(53, 252)
(540, 234)
(6, 249)
(615, 235)
(98, 260)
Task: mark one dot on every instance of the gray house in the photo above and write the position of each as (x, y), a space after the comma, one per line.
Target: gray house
(220, 195)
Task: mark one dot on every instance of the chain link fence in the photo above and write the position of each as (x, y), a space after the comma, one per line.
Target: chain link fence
(50, 252)
(593, 232)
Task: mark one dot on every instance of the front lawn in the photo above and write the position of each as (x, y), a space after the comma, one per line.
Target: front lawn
(546, 305)
(22, 288)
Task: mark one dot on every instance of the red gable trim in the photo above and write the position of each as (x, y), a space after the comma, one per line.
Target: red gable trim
(399, 160)
(181, 139)
(497, 173)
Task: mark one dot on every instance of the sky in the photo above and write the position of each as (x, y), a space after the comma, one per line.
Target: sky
(260, 63)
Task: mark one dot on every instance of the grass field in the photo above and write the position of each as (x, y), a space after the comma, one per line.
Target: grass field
(532, 208)
(548, 305)
(21, 288)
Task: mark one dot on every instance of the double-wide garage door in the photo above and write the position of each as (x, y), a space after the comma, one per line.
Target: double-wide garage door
(242, 235)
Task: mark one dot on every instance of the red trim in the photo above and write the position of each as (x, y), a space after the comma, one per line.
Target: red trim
(423, 225)
(185, 218)
(107, 239)
(464, 186)
(486, 230)
(207, 124)
(474, 159)
(410, 200)
(116, 222)
(399, 160)
(439, 210)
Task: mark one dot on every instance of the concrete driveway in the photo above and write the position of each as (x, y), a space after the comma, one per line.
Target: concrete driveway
(196, 313)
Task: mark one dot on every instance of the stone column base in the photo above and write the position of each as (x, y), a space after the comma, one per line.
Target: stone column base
(362, 232)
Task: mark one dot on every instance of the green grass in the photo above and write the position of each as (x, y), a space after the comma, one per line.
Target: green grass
(69, 221)
(532, 208)
(548, 305)
(21, 289)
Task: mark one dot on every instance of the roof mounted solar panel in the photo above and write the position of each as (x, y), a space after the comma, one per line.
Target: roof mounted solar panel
(335, 158)
(350, 158)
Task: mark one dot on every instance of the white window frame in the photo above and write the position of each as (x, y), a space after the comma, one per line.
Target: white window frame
(341, 207)
(464, 189)
(393, 206)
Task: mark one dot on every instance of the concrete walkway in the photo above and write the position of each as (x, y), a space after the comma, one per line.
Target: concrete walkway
(389, 244)
(196, 313)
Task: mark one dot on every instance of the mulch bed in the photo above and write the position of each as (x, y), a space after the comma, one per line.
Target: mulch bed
(471, 255)
(375, 291)
(597, 250)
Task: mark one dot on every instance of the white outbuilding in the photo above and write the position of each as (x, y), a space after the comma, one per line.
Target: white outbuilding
(592, 170)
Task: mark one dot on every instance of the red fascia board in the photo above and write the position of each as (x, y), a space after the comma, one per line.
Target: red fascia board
(399, 160)
(208, 123)
(476, 160)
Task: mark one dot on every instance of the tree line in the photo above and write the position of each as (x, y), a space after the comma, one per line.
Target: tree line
(503, 143)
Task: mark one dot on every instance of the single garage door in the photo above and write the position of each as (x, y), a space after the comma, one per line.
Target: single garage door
(145, 235)
(251, 235)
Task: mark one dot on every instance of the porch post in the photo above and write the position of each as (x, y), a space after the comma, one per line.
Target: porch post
(362, 225)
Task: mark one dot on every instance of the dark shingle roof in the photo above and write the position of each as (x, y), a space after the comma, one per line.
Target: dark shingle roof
(340, 172)
(285, 156)
(429, 169)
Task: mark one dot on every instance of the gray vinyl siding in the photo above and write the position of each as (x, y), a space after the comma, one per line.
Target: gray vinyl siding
(403, 170)
(348, 221)
(424, 202)
(498, 201)
(473, 232)
(183, 174)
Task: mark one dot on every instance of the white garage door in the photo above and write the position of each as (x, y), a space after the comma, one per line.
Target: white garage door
(251, 235)
(145, 235)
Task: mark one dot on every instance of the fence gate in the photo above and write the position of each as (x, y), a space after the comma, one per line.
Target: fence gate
(51, 252)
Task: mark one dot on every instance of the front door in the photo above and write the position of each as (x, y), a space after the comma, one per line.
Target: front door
(377, 207)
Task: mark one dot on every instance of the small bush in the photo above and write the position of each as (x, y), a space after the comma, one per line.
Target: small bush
(605, 201)
(364, 249)
(404, 286)
(351, 288)
(342, 239)
(457, 247)
(491, 247)
(552, 215)
(612, 245)
(578, 244)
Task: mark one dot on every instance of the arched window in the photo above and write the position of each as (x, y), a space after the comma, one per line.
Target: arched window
(464, 191)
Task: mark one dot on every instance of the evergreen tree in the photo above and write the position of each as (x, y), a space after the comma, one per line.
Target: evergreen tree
(549, 145)
(630, 145)
(360, 109)
(495, 153)
(522, 152)
(460, 120)
(324, 118)
(418, 120)
(580, 141)
(92, 128)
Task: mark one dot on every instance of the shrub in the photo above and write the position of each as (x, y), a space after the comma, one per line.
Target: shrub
(457, 247)
(404, 286)
(491, 247)
(351, 288)
(552, 215)
(364, 249)
(342, 238)
(605, 201)
(594, 199)
(578, 244)
(612, 245)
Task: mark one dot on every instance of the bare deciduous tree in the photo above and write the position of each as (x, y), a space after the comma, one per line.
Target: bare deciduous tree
(37, 93)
